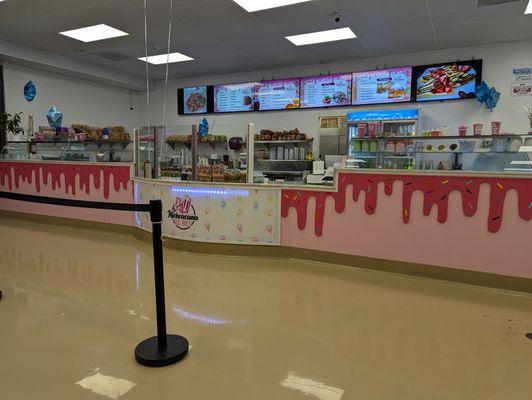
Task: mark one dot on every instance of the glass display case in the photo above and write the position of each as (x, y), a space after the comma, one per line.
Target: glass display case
(282, 156)
(69, 150)
(183, 154)
(368, 130)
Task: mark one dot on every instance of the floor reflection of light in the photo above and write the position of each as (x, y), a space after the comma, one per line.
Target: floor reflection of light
(108, 386)
(137, 271)
(312, 387)
(204, 319)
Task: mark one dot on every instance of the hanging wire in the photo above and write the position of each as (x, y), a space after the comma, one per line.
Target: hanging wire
(166, 75)
(147, 65)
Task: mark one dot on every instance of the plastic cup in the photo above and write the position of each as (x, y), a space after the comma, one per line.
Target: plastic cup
(477, 129)
(495, 127)
(362, 129)
(462, 130)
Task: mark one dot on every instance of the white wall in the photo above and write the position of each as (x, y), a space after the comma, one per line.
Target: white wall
(498, 63)
(80, 101)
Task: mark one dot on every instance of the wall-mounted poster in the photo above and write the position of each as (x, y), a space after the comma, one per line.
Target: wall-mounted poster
(277, 95)
(234, 98)
(382, 86)
(326, 91)
(522, 82)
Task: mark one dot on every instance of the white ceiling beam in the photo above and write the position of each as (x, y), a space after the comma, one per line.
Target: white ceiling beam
(53, 62)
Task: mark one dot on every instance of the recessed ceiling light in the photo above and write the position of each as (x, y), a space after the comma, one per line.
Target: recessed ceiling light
(163, 58)
(257, 5)
(529, 8)
(94, 33)
(322, 37)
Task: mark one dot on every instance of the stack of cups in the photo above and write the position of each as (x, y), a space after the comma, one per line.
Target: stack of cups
(477, 129)
(462, 130)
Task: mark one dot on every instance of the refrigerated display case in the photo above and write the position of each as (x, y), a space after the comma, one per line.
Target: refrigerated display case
(370, 132)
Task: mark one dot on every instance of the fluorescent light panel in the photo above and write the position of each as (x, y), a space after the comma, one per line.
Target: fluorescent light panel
(94, 33)
(322, 37)
(163, 58)
(529, 8)
(258, 5)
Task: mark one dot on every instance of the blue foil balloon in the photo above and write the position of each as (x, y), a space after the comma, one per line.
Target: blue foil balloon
(488, 96)
(30, 91)
(54, 117)
(203, 128)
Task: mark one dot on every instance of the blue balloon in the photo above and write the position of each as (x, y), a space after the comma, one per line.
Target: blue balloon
(54, 117)
(488, 96)
(203, 128)
(30, 91)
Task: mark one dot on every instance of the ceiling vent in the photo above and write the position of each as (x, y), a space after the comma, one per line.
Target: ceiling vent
(112, 56)
(484, 3)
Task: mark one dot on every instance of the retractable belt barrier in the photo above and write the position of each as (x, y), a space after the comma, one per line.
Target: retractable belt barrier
(160, 350)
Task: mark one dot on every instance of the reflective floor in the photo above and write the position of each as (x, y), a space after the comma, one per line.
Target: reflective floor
(77, 301)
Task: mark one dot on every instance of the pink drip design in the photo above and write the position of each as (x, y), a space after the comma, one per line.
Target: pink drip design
(436, 191)
(13, 173)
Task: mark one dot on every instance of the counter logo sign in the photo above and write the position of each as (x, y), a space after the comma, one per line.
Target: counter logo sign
(183, 213)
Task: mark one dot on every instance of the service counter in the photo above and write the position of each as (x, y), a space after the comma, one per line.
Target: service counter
(473, 221)
(462, 220)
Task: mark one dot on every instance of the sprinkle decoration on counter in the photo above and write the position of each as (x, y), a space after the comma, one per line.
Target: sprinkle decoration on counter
(41, 173)
(436, 193)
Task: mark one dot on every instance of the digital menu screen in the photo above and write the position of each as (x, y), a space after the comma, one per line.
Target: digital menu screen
(326, 91)
(451, 81)
(234, 98)
(195, 100)
(277, 95)
(382, 86)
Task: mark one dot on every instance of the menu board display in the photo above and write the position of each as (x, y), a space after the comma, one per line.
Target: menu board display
(234, 98)
(382, 86)
(449, 81)
(326, 91)
(195, 100)
(277, 95)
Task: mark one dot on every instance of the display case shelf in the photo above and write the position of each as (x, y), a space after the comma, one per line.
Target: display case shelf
(308, 141)
(413, 137)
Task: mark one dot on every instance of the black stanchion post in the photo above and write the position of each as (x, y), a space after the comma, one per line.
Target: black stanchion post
(163, 349)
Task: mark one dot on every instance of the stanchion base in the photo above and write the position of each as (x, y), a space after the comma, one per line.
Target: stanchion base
(149, 354)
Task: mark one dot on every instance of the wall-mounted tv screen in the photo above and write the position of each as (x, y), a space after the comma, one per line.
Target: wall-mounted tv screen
(195, 100)
(447, 81)
(326, 91)
(277, 95)
(234, 98)
(382, 86)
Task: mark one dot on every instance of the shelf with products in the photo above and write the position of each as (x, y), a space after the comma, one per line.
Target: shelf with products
(68, 150)
(282, 154)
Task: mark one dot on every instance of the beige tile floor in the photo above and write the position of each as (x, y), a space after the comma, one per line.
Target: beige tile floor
(77, 301)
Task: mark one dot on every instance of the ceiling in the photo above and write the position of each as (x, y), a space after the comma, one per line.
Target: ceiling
(223, 38)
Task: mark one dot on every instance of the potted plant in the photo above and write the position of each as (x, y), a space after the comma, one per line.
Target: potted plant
(11, 123)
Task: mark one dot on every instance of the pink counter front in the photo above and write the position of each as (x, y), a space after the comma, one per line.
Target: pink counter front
(468, 221)
(106, 182)
(476, 222)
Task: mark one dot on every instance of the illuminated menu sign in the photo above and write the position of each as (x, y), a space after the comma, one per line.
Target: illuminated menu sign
(382, 86)
(277, 95)
(234, 98)
(326, 91)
